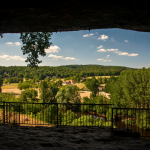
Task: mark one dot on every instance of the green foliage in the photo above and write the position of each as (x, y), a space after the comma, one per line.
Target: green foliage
(110, 83)
(53, 89)
(23, 85)
(92, 85)
(104, 80)
(44, 91)
(100, 80)
(1, 82)
(42, 40)
(68, 94)
(59, 82)
(89, 121)
(28, 94)
(68, 118)
(49, 115)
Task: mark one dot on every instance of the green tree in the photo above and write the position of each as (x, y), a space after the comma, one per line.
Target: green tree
(35, 43)
(23, 85)
(1, 82)
(44, 91)
(110, 83)
(92, 85)
(104, 80)
(68, 94)
(26, 76)
(6, 81)
(53, 89)
(59, 82)
(100, 80)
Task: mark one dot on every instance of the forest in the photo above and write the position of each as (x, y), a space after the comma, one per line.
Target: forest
(60, 71)
(130, 89)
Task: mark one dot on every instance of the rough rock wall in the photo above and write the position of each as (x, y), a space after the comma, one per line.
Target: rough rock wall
(73, 15)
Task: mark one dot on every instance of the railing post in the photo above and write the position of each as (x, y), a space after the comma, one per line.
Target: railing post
(57, 115)
(112, 123)
(4, 113)
(19, 115)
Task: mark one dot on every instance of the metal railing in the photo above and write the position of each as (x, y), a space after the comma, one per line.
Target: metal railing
(133, 123)
(54, 115)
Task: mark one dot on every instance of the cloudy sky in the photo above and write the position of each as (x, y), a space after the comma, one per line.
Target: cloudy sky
(109, 47)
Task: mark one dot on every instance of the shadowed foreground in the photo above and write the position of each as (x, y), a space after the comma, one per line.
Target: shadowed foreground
(70, 138)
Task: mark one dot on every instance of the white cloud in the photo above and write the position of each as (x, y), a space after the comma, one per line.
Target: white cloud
(68, 58)
(112, 49)
(103, 37)
(123, 53)
(107, 56)
(7, 57)
(88, 35)
(132, 54)
(52, 49)
(126, 40)
(55, 56)
(101, 50)
(100, 59)
(17, 43)
(103, 60)
(100, 46)
(9, 43)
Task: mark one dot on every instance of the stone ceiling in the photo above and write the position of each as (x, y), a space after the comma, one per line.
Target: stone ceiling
(73, 15)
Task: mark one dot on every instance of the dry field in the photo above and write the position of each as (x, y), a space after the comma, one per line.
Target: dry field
(100, 76)
(80, 85)
(84, 94)
(17, 92)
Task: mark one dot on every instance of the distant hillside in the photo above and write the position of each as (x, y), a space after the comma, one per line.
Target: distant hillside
(62, 71)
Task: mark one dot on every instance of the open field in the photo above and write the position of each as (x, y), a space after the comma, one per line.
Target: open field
(84, 94)
(9, 87)
(13, 89)
(80, 85)
(100, 76)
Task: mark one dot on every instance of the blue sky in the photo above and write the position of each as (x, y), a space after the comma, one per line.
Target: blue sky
(108, 47)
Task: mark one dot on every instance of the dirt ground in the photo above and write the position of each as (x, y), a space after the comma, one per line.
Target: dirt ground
(70, 138)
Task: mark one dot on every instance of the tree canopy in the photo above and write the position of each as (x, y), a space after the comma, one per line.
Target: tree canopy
(68, 94)
(92, 85)
(35, 44)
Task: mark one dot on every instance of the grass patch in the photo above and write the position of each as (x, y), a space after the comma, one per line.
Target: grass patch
(9, 87)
